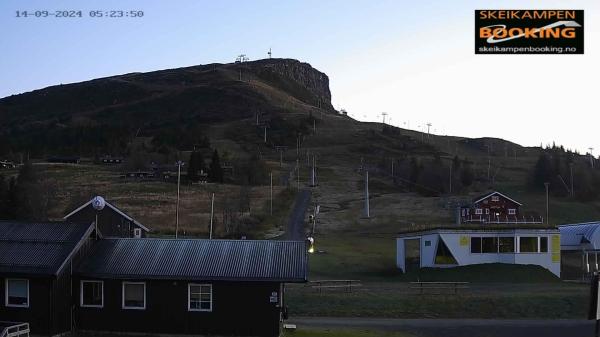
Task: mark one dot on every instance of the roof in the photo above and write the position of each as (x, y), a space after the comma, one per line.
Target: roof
(463, 230)
(485, 196)
(114, 208)
(202, 260)
(577, 234)
(39, 248)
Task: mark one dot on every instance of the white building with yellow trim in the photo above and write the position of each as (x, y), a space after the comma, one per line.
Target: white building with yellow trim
(444, 248)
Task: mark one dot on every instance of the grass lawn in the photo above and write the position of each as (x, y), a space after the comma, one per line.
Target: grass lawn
(495, 290)
(342, 333)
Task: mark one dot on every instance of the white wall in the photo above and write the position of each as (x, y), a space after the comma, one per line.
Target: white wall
(461, 250)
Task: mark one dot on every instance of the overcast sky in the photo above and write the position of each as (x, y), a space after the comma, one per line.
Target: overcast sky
(412, 59)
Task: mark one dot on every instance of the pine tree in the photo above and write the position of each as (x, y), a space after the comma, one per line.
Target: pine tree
(195, 166)
(215, 173)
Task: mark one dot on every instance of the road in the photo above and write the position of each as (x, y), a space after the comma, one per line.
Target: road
(295, 226)
(456, 327)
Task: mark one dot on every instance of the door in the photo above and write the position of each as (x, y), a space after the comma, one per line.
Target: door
(412, 254)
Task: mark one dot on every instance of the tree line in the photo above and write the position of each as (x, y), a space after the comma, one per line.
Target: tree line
(28, 196)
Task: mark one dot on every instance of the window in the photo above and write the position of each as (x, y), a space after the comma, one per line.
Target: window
(200, 297)
(487, 211)
(92, 294)
(134, 295)
(17, 293)
(478, 211)
(543, 244)
(137, 233)
(528, 244)
(506, 244)
(512, 211)
(475, 245)
(489, 245)
(427, 243)
(495, 198)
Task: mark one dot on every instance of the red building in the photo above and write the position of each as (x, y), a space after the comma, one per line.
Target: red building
(494, 207)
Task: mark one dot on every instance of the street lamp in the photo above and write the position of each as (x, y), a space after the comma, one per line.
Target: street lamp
(179, 163)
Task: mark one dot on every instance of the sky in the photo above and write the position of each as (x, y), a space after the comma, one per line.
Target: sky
(413, 60)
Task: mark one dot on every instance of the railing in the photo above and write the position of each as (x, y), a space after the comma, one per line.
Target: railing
(14, 329)
(502, 220)
(346, 285)
(439, 285)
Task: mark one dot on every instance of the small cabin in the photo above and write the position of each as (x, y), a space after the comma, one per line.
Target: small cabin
(495, 208)
(108, 160)
(112, 221)
(64, 159)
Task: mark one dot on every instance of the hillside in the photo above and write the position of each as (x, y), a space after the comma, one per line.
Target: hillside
(106, 114)
(160, 116)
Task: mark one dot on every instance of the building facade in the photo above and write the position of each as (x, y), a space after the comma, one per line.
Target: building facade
(112, 222)
(445, 248)
(494, 208)
(580, 250)
(62, 278)
(36, 273)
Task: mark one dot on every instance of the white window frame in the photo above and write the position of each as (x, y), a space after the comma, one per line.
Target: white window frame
(6, 293)
(137, 233)
(123, 306)
(81, 294)
(487, 211)
(530, 236)
(495, 198)
(512, 211)
(190, 285)
(478, 211)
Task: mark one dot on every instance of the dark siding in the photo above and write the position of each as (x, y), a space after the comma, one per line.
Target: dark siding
(239, 308)
(62, 302)
(38, 315)
(110, 223)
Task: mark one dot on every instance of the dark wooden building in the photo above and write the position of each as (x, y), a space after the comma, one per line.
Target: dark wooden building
(495, 208)
(112, 222)
(196, 287)
(36, 265)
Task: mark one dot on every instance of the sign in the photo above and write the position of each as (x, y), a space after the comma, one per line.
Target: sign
(555, 248)
(464, 240)
(529, 31)
(274, 298)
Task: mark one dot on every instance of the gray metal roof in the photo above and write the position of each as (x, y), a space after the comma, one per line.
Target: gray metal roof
(38, 248)
(579, 234)
(202, 260)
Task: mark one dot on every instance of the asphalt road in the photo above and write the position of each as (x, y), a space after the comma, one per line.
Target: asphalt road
(456, 327)
(295, 226)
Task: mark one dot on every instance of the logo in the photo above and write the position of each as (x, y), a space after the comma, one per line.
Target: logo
(527, 31)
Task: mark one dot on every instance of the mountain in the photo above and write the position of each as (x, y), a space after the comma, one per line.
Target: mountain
(104, 115)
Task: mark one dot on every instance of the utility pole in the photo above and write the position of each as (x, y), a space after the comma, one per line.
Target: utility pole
(572, 191)
(367, 210)
(393, 168)
(547, 204)
(450, 178)
(179, 164)
(383, 114)
(265, 133)
(270, 54)
(212, 211)
(428, 126)
(313, 173)
(280, 157)
(298, 172)
(314, 126)
(271, 176)
(489, 165)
